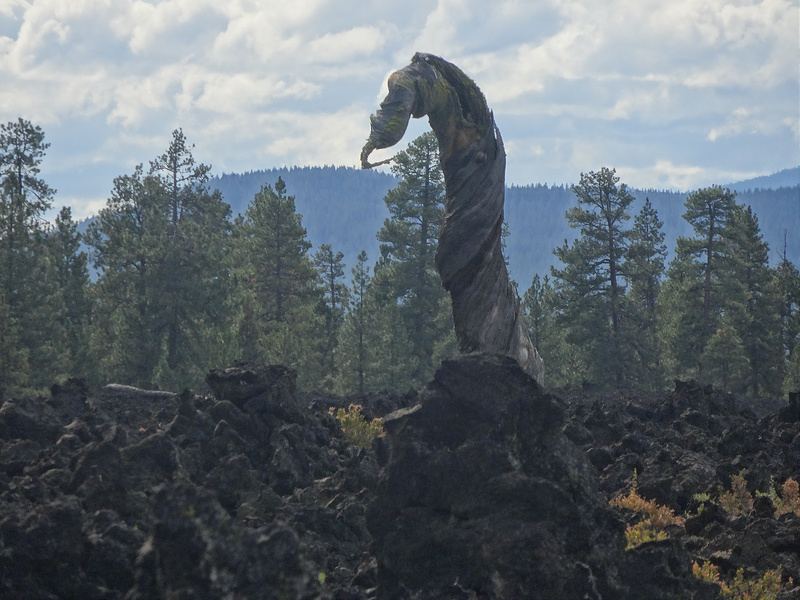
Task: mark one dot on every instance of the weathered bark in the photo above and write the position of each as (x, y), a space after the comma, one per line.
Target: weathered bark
(486, 308)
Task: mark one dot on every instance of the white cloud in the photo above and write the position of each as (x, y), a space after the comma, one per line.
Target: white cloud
(346, 45)
(9, 8)
(316, 138)
(664, 174)
(227, 93)
(135, 99)
(153, 29)
(439, 35)
(683, 42)
(677, 91)
(82, 207)
(743, 120)
(528, 68)
(278, 30)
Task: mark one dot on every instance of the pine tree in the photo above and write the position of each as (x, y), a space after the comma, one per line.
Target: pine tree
(758, 325)
(392, 366)
(355, 349)
(644, 268)
(71, 298)
(591, 286)
(681, 326)
(197, 230)
(330, 267)
(791, 378)
(125, 246)
(277, 249)
(536, 310)
(539, 304)
(786, 290)
(699, 285)
(724, 360)
(408, 242)
(445, 343)
(160, 245)
(24, 197)
(281, 321)
(708, 211)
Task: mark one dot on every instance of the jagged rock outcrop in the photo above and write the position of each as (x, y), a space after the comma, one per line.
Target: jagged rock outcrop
(490, 488)
(145, 496)
(484, 496)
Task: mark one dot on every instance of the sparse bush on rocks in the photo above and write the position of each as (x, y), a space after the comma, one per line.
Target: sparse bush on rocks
(738, 500)
(789, 500)
(357, 430)
(656, 518)
(765, 588)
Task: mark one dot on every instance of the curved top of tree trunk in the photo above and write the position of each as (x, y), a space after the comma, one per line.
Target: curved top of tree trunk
(469, 258)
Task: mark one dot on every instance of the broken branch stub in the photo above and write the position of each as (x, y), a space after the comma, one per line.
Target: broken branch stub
(469, 258)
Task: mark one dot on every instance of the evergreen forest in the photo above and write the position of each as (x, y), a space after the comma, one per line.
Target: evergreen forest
(182, 272)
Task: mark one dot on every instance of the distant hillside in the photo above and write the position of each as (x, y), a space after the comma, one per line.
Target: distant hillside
(535, 215)
(785, 178)
(344, 207)
(341, 206)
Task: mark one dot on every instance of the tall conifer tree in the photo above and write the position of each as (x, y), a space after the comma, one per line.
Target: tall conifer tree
(408, 242)
(708, 211)
(786, 288)
(70, 297)
(330, 266)
(591, 285)
(644, 269)
(25, 321)
(540, 305)
(281, 321)
(699, 282)
(356, 341)
(160, 245)
(759, 324)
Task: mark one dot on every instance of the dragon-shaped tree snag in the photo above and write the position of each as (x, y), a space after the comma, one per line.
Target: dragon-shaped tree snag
(469, 258)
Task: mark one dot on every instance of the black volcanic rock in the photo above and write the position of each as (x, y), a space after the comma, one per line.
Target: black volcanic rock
(484, 496)
(485, 487)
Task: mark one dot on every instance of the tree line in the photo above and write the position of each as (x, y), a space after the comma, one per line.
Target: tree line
(183, 286)
(615, 314)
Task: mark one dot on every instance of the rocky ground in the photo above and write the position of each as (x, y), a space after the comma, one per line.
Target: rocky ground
(485, 486)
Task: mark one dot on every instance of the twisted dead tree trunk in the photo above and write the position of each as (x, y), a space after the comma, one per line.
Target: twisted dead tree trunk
(486, 308)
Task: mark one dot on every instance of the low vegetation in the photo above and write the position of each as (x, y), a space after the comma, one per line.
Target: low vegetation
(357, 430)
(737, 501)
(655, 518)
(789, 500)
(767, 587)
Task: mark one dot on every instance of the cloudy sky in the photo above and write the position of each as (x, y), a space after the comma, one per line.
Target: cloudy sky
(672, 93)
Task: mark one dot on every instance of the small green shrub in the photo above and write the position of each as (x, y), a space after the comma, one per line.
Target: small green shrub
(702, 498)
(766, 588)
(357, 430)
(656, 518)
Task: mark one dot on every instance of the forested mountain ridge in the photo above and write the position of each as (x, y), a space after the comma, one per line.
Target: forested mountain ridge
(341, 206)
(344, 207)
(784, 178)
(535, 215)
